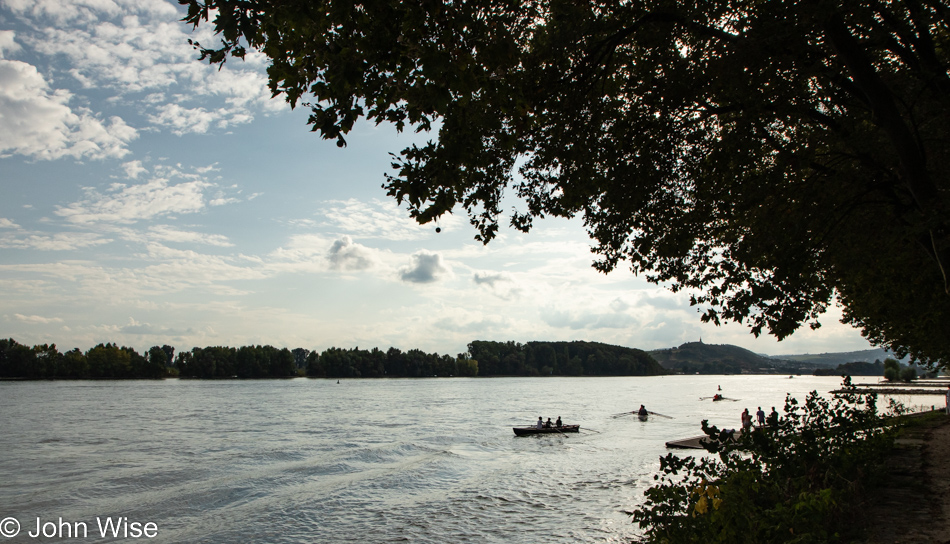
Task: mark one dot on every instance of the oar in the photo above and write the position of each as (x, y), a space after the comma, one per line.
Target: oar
(621, 414)
(661, 415)
(589, 430)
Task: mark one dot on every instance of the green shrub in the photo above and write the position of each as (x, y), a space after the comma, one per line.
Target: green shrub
(799, 482)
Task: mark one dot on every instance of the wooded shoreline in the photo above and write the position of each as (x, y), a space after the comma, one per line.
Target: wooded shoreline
(483, 358)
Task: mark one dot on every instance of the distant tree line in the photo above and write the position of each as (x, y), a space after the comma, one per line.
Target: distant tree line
(891, 369)
(45, 361)
(710, 367)
(271, 362)
(242, 362)
(856, 368)
(561, 359)
(109, 361)
(392, 363)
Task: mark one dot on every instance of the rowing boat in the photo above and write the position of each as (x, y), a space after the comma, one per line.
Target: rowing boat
(525, 431)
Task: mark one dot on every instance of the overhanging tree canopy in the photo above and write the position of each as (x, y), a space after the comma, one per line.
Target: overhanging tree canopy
(769, 155)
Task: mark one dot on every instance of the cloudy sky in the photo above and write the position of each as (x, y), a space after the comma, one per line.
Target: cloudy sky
(150, 199)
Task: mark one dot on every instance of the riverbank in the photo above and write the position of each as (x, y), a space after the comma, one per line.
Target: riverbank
(913, 505)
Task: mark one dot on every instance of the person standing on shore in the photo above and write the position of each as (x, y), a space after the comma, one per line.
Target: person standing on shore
(746, 420)
(760, 417)
(948, 400)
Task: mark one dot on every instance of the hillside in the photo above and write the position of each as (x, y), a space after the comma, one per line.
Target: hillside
(561, 359)
(697, 357)
(693, 357)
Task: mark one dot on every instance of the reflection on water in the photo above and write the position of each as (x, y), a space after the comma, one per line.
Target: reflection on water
(431, 460)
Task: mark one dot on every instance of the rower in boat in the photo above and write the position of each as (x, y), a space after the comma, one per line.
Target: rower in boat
(529, 431)
(643, 413)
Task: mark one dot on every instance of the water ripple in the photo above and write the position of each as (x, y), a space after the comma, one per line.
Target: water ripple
(306, 461)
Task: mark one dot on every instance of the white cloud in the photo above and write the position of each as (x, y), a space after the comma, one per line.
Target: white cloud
(37, 319)
(63, 241)
(61, 11)
(123, 51)
(37, 122)
(474, 324)
(425, 268)
(221, 201)
(313, 253)
(8, 42)
(345, 254)
(176, 270)
(574, 318)
(195, 120)
(377, 219)
(140, 46)
(147, 329)
(7, 224)
(166, 233)
(128, 204)
(133, 169)
(302, 247)
(500, 284)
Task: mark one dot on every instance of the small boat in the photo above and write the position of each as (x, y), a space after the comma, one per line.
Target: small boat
(525, 431)
(643, 417)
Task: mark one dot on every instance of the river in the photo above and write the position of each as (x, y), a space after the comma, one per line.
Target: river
(301, 461)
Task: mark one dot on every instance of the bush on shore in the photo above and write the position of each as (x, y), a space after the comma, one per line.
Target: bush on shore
(799, 480)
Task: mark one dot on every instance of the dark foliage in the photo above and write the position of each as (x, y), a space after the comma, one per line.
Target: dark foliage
(767, 156)
(803, 478)
(561, 359)
(856, 368)
(102, 361)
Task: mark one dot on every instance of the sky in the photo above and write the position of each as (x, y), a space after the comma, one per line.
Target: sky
(151, 199)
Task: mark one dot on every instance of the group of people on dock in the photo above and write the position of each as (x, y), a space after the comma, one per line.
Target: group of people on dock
(547, 424)
(761, 419)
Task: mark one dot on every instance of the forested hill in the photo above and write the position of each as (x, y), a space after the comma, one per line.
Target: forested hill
(561, 359)
(693, 357)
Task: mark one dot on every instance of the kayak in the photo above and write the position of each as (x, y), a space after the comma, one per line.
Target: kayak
(525, 431)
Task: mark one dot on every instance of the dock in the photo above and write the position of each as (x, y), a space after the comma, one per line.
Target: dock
(693, 443)
(687, 443)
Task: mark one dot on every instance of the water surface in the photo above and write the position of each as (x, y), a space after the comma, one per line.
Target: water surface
(402, 460)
